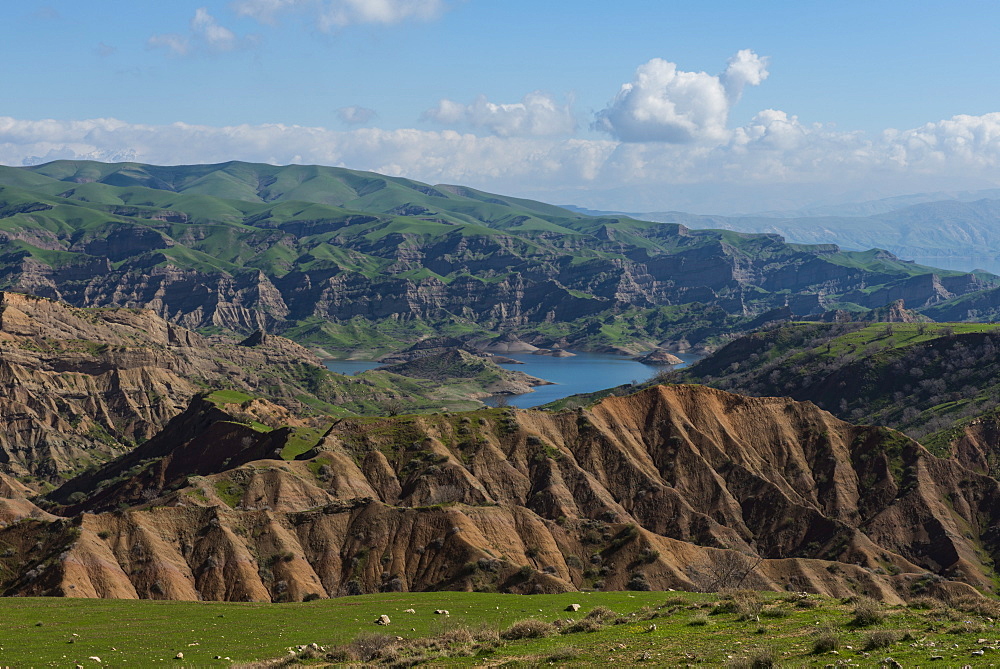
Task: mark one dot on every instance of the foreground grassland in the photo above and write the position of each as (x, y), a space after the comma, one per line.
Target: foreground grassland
(655, 628)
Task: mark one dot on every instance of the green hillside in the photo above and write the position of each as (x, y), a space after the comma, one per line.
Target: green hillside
(307, 250)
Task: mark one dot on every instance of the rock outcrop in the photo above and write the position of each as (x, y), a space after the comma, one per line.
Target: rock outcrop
(83, 386)
(659, 356)
(368, 249)
(674, 487)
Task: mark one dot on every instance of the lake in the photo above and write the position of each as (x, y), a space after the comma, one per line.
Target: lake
(583, 373)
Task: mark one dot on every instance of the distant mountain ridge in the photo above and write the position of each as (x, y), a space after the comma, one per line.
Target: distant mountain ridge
(965, 224)
(346, 259)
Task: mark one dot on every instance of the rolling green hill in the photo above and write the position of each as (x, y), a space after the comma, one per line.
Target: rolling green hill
(353, 260)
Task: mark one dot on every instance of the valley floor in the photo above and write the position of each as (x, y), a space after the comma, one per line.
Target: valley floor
(653, 628)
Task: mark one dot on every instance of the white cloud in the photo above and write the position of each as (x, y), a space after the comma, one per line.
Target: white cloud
(665, 104)
(537, 115)
(172, 42)
(204, 26)
(332, 14)
(744, 69)
(207, 34)
(773, 157)
(355, 115)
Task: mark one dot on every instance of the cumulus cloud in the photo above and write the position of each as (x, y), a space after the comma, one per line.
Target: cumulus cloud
(536, 115)
(333, 14)
(207, 34)
(774, 153)
(665, 104)
(354, 115)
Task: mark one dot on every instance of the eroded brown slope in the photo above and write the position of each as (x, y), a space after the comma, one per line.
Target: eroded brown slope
(674, 487)
(79, 386)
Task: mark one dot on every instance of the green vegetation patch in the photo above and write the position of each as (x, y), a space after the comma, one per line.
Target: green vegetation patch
(623, 628)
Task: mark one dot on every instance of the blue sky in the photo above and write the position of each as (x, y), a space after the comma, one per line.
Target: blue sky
(727, 106)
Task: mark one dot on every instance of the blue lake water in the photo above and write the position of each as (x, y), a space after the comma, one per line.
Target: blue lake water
(583, 373)
(351, 367)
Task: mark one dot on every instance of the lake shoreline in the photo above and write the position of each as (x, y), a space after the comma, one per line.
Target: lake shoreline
(583, 372)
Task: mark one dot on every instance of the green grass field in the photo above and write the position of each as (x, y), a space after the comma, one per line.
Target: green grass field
(657, 628)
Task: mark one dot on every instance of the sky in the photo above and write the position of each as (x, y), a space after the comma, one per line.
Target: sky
(709, 107)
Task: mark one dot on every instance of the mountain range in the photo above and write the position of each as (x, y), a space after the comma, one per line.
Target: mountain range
(933, 225)
(680, 487)
(350, 261)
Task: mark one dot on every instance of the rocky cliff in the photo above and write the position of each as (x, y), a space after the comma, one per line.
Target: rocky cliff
(674, 487)
(83, 386)
(364, 248)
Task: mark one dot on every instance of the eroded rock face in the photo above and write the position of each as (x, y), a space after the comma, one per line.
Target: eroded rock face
(690, 487)
(80, 387)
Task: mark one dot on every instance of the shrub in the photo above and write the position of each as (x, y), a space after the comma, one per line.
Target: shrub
(745, 604)
(369, 646)
(925, 603)
(648, 555)
(881, 639)
(456, 635)
(867, 612)
(762, 658)
(638, 582)
(977, 604)
(776, 612)
(529, 629)
(564, 654)
(699, 619)
(601, 613)
(584, 625)
(825, 641)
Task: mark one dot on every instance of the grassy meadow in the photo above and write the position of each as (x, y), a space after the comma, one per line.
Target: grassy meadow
(656, 628)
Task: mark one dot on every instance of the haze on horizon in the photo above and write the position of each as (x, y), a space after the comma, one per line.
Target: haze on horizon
(718, 107)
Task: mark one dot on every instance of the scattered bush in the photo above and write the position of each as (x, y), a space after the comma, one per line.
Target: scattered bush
(746, 604)
(648, 555)
(776, 612)
(825, 641)
(639, 583)
(529, 629)
(762, 658)
(456, 635)
(369, 646)
(925, 603)
(601, 613)
(867, 612)
(583, 625)
(881, 639)
(699, 619)
(564, 654)
(977, 604)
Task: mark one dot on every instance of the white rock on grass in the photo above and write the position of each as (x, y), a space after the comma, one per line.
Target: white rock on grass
(382, 620)
(573, 607)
